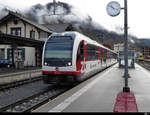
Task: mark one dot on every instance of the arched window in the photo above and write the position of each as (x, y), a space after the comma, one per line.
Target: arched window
(16, 31)
(32, 34)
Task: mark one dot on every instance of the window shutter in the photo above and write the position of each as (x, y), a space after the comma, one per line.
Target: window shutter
(8, 53)
(23, 53)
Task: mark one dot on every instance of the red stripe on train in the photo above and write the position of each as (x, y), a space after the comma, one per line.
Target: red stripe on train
(61, 73)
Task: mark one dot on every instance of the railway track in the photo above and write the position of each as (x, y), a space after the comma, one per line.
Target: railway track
(7, 86)
(29, 103)
(145, 64)
(35, 100)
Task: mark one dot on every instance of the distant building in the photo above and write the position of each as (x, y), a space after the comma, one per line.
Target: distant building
(118, 47)
(145, 51)
(143, 46)
(18, 25)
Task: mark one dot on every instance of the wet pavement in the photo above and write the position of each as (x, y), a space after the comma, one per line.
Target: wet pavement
(99, 93)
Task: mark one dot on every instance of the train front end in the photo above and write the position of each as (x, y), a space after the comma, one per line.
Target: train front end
(57, 59)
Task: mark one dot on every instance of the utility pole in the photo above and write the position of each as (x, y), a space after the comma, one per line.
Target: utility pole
(126, 75)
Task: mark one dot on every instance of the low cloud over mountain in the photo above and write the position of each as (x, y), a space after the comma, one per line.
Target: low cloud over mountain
(65, 13)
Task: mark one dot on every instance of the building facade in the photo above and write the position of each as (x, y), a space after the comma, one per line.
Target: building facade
(146, 52)
(18, 25)
(143, 47)
(118, 47)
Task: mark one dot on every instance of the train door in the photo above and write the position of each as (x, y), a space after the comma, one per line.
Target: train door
(103, 57)
(81, 57)
(100, 56)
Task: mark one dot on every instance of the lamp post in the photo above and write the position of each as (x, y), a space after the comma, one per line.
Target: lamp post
(126, 75)
(113, 9)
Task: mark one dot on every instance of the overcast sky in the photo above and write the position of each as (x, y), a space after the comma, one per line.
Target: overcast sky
(138, 13)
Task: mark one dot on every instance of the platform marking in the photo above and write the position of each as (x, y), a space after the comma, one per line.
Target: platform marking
(71, 99)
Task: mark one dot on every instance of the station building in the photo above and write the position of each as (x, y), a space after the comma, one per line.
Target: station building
(17, 25)
(144, 51)
(145, 47)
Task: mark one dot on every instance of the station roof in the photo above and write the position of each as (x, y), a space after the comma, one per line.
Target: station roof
(25, 19)
(19, 41)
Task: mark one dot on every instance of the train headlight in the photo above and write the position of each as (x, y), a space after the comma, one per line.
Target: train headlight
(69, 63)
(45, 63)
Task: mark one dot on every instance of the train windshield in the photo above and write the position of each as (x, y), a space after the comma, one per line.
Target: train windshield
(59, 49)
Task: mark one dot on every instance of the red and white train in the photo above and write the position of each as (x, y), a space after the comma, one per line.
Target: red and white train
(72, 57)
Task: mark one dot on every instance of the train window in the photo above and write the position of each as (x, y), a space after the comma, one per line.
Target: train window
(80, 51)
(92, 52)
(103, 55)
(59, 50)
(60, 38)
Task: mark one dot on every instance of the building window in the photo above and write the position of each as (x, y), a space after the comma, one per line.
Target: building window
(2, 53)
(15, 22)
(92, 52)
(16, 31)
(19, 54)
(32, 34)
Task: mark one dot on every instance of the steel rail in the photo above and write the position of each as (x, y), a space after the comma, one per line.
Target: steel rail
(7, 86)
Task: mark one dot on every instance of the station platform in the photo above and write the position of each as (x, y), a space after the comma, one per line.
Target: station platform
(5, 71)
(8, 75)
(99, 93)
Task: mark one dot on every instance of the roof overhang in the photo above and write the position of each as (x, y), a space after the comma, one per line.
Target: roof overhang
(12, 15)
(19, 41)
